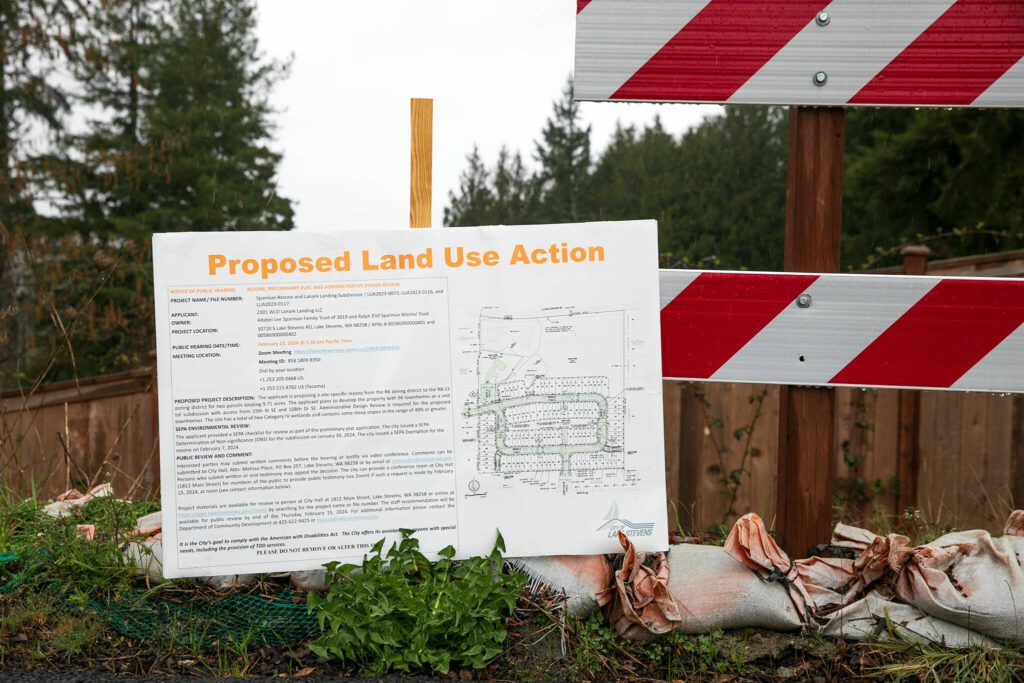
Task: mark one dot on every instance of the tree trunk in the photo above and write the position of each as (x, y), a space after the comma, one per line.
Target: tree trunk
(5, 136)
(133, 77)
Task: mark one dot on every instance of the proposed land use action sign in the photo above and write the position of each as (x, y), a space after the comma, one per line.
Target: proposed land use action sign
(319, 392)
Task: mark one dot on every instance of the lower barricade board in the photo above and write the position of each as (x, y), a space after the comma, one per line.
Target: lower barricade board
(922, 332)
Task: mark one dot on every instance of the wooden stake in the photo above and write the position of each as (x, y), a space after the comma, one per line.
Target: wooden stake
(422, 114)
(67, 451)
(154, 453)
(814, 191)
(908, 455)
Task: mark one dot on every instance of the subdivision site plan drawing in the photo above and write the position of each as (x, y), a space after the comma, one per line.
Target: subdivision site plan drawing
(550, 407)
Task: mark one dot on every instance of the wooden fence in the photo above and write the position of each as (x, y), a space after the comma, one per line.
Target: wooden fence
(971, 453)
(76, 433)
(970, 446)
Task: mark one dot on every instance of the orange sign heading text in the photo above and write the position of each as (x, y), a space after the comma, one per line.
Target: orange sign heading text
(451, 257)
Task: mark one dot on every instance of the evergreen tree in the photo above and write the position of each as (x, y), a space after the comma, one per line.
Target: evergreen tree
(178, 141)
(105, 184)
(516, 190)
(116, 72)
(911, 173)
(564, 156)
(638, 177)
(719, 191)
(39, 41)
(474, 203)
(508, 195)
(732, 189)
(207, 125)
(38, 38)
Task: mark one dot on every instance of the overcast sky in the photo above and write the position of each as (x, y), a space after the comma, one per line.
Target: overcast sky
(492, 68)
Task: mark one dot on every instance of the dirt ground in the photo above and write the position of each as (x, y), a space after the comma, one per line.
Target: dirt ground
(56, 646)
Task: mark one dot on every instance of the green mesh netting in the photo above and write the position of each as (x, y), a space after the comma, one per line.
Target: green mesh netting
(8, 561)
(277, 620)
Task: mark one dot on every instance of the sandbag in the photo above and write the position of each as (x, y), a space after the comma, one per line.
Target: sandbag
(696, 589)
(151, 523)
(750, 544)
(975, 581)
(311, 580)
(148, 556)
(146, 551)
(967, 578)
(876, 618)
(584, 580)
(833, 583)
(72, 498)
(229, 581)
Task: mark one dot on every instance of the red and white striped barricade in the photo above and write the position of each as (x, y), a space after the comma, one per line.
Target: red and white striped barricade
(918, 332)
(795, 52)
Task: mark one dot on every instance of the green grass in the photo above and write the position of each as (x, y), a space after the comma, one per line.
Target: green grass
(596, 652)
(39, 629)
(52, 552)
(905, 662)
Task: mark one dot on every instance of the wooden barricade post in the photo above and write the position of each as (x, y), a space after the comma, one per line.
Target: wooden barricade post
(814, 190)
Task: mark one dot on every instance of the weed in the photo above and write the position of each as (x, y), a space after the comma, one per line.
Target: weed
(702, 654)
(71, 635)
(923, 530)
(405, 613)
(233, 658)
(731, 478)
(594, 646)
(52, 551)
(597, 653)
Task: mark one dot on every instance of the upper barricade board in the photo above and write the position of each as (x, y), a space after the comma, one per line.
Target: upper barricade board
(962, 53)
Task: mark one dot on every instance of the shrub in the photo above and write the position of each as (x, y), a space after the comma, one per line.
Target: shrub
(405, 613)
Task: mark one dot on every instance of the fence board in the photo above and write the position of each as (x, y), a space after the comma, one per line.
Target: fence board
(673, 411)
(883, 463)
(121, 439)
(867, 431)
(1017, 451)
(971, 496)
(999, 459)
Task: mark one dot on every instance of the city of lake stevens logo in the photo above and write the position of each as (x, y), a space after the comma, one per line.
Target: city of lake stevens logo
(614, 523)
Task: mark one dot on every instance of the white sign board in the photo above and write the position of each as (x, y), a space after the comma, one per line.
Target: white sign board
(321, 391)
